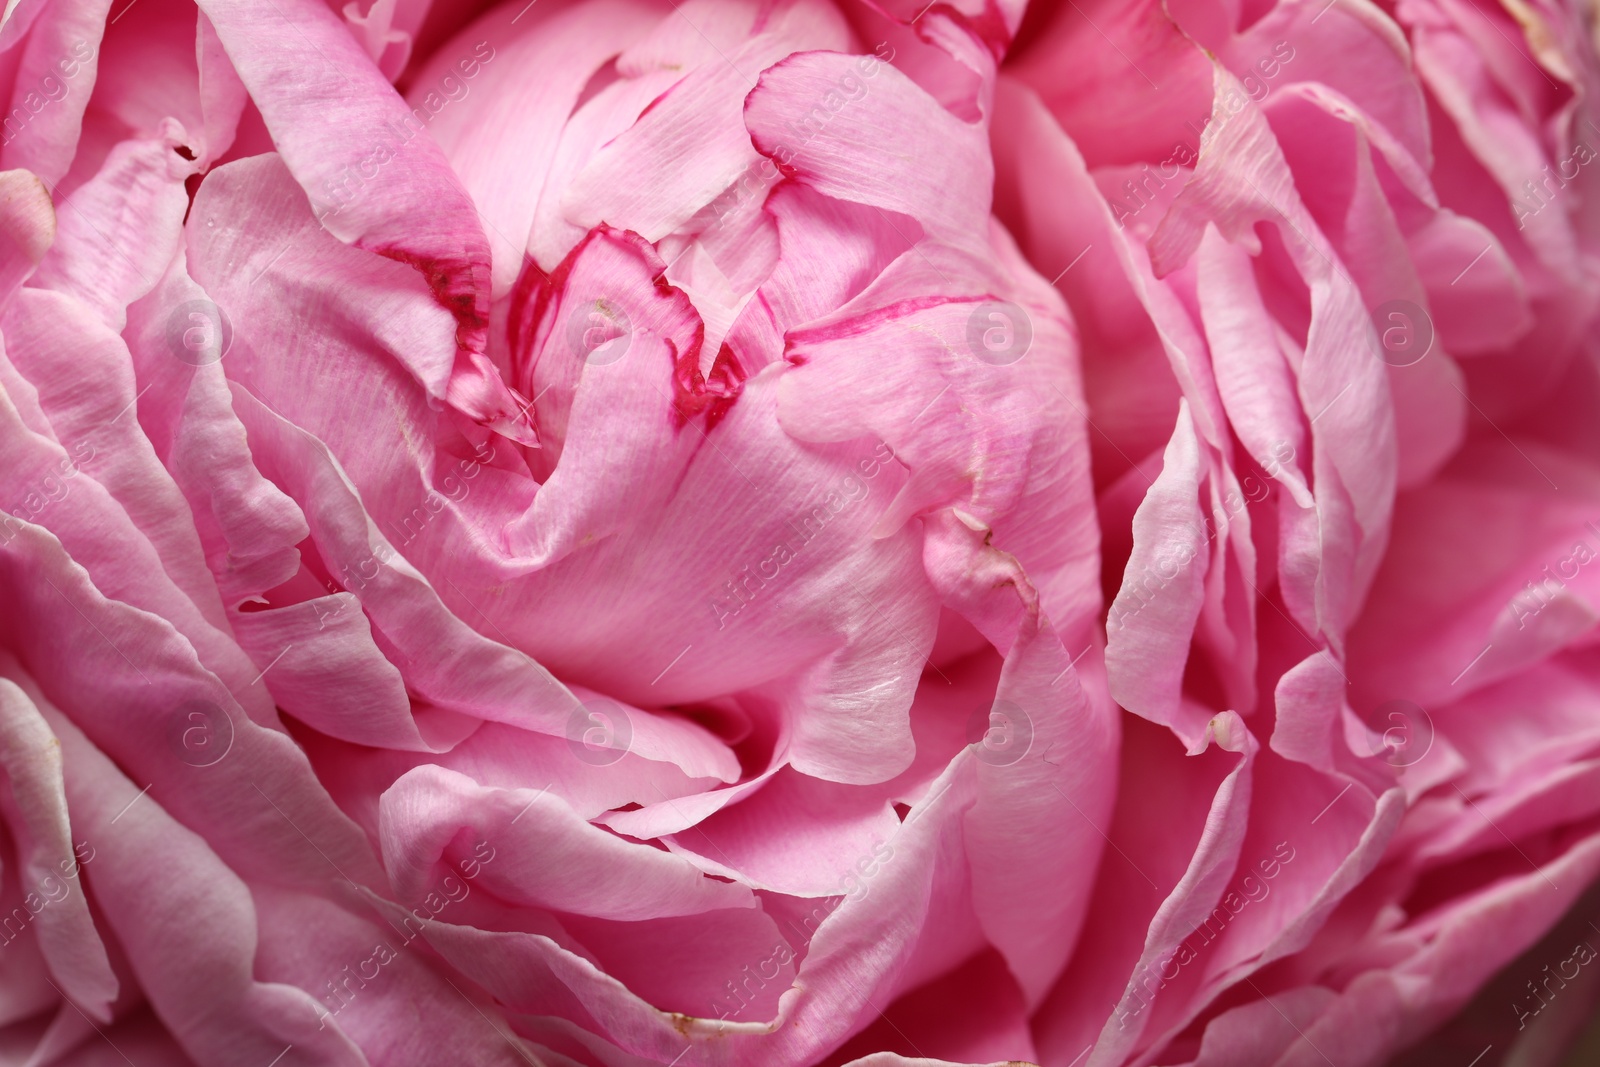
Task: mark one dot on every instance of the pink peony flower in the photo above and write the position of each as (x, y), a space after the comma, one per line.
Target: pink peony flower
(609, 532)
(1336, 296)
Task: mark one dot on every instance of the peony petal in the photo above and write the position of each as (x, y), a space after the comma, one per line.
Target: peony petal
(817, 115)
(55, 341)
(1149, 624)
(27, 228)
(143, 698)
(696, 120)
(41, 831)
(99, 256)
(554, 860)
(55, 74)
(196, 972)
(309, 77)
(525, 85)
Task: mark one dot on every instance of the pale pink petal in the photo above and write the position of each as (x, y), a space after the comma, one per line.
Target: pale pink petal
(41, 831)
(197, 971)
(117, 232)
(522, 79)
(136, 689)
(55, 74)
(54, 341)
(368, 979)
(865, 108)
(27, 228)
(644, 181)
(1149, 624)
(396, 197)
(247, 527)
(553, 860)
